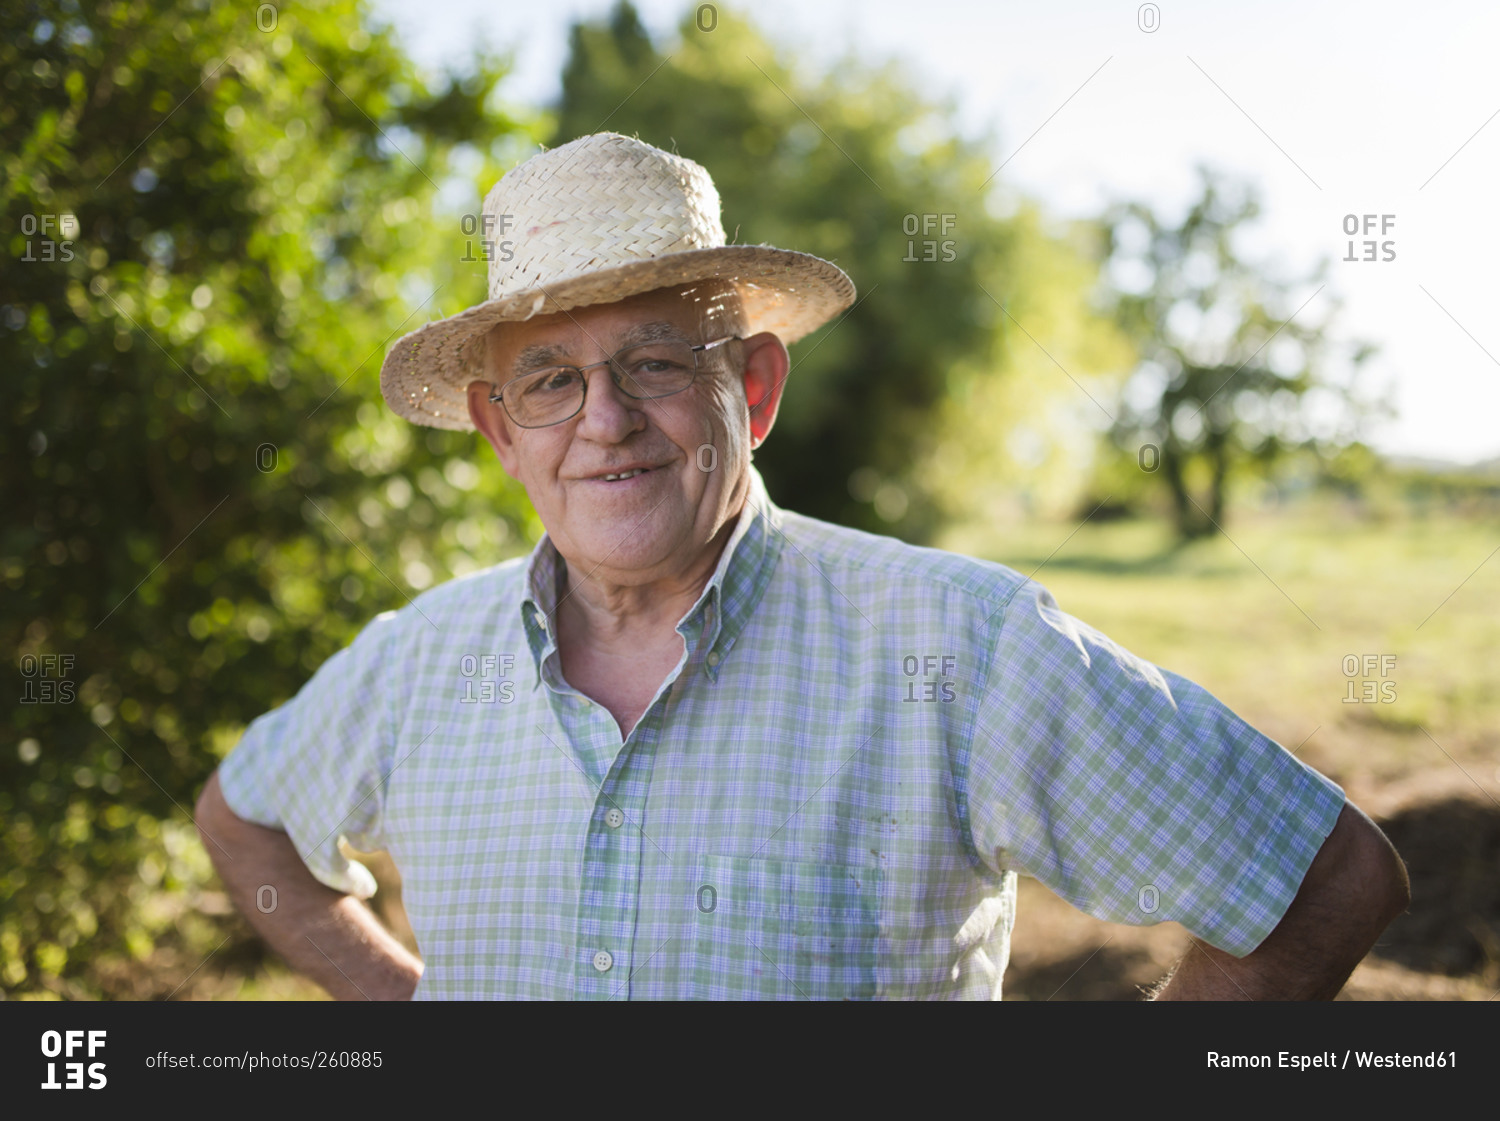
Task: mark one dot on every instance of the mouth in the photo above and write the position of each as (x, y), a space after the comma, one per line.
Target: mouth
(625, 473)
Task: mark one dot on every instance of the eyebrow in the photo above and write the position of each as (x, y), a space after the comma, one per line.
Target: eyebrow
(541, 355)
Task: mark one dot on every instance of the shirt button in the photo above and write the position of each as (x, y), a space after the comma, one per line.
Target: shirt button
(713, 658)
(614, 819)
(603, 960)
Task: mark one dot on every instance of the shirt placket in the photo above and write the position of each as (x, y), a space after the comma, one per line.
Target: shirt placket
(610, 885)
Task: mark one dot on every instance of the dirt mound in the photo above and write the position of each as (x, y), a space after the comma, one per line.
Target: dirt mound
(1452, 853)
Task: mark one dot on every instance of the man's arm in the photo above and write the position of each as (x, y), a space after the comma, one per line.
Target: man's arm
(1354, 887)
(329, 936)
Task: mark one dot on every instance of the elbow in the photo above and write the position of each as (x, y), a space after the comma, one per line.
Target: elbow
(1397, 884)
(209, 800)
(1385, 880)
(213, 817)
(1359, 878)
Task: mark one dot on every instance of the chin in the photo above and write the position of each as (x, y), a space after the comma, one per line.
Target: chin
(630, 537)
(633, 555)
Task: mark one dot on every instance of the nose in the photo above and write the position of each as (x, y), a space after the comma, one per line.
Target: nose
(608, 415)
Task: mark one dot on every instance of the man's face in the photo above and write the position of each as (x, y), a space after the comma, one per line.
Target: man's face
(692, 449)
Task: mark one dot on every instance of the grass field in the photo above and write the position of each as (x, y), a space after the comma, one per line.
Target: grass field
(1265, 620)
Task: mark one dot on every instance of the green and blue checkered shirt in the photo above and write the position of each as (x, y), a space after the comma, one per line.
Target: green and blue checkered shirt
(863, 744)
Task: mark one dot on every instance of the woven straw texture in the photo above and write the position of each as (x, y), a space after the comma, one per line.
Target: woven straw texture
(591, 222)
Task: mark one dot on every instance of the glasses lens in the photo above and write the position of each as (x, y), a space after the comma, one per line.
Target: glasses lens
(544, 397)
(655, 369)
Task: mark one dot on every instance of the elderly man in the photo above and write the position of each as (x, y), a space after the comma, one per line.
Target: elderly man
(699, 746)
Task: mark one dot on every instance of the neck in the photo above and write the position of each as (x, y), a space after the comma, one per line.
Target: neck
(596, 607)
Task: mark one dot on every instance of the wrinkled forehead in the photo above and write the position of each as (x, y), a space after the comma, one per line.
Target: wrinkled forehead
(695, 312)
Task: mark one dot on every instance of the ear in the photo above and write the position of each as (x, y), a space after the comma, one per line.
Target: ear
(490, 419)
(766, 368)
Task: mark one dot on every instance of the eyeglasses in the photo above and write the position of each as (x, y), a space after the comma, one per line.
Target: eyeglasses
(646, 372)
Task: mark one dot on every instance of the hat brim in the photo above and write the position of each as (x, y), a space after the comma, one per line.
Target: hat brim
(425, 376)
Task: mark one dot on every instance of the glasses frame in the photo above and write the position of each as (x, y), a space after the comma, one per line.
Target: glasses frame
(497, 396)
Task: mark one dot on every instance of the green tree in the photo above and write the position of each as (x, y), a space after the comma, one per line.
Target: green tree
(216, 218)
(1229, 361)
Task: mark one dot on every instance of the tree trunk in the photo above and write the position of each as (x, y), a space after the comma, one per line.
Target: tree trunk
(1189, 522)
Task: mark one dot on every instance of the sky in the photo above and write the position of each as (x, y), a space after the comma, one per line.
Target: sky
(1330, 110)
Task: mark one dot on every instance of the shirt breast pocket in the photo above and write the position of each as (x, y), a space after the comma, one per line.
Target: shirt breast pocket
(790, 930)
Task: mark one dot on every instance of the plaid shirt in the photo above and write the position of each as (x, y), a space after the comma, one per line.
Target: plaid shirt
(831, 795)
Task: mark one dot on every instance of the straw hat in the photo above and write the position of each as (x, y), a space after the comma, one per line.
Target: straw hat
(594, 221)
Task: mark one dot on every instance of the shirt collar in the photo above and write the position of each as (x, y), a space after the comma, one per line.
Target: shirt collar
(720, 613)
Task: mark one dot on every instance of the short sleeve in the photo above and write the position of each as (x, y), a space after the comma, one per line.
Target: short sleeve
(316, 767)
(1132, 792)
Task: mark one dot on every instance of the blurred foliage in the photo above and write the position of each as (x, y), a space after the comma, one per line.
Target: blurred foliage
(213, 230)
(1015, 436)
(1234, 373)
(856, 165)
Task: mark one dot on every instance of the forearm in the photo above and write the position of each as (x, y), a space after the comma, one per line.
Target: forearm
(327, 935)
(1354, 887)
(1208, 973)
